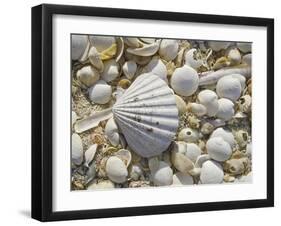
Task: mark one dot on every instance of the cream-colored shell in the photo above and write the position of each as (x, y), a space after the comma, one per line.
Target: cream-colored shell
(209, 99)
(77, 149)
(112, 133)
(129, 69)
(146, 49)
(185, 81)
(94, 58)
(110, 71)
(157, 67)
(218, 149)
(197, 109)
(116, 170)
(229, 87)
(234, 56)
(226, 109)
(190, 59)
(181, 105)
(224, 134)
(88, 75)
(105, 184)
(211, 173)
(188, 135)
(168, 49)
(100, 92)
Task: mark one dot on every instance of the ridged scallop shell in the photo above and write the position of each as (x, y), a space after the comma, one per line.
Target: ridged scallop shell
(147, 115)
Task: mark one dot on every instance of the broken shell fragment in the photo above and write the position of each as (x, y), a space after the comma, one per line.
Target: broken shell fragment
(105, 45)
(94, 58)
(100, 92)
(226, 109)
(211, 173)
(77, 149)
(168, 49)
(88, 75)
(185, 81)
(181, 105)
(218, 149)
(116, 170)
(129, 69)
(125, 155)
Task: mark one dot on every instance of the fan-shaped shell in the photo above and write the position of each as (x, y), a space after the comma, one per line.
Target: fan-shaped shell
(147, 115)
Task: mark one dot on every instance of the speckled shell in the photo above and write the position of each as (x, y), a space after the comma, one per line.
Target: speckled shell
(147, 115)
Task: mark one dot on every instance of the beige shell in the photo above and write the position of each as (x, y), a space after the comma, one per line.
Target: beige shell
(112, 133)
(146, 49)
(129, 69)
(197, 109)
(77, 149)
(188, 135)
(88, 75)
(111, 70)
(245, 103)
(94, 58)
(181, 105)
(234, 56)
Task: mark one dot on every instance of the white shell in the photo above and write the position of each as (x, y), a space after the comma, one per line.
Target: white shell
(110, 71)
(190, 59)
(181, 105)
(179, 158)
(197, 109)
(100, 92)
(188, 135)
(234, 56)
(224, 134)
(102, 43)
(88, 75)
(192, 151)
(90, 154)
(218, 45)
(211, 173)
(145, 50)
(210, 100)
(185, 81)
(136, 172)
(77, 149)
(226, 109)
(245, 47)
(125, 155)
(201, 159)
(163, 176)
(218, 149)
(116, 170)
(105, 184)
(147, 115)
(247, 59)
(132, 42)
(229, 87)
(182, 179)
(129, 69)
(168, 49)
(79, 46)
(112, 133)
(94, 58)
(157, 67)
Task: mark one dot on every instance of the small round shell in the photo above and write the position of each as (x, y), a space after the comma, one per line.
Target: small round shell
(163, 176)
(211, 173)
(168, 49)
(88, 75)
(129, 69)
(110, 71)
(100, 92)
(226, 109)
(229, 87)
(188, 135)
(210, 100)
(218, 149)
(116, 170)
(224, 134)
(185, 81)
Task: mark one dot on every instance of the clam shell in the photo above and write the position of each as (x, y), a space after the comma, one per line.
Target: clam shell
(163, 176)
(147, 115)
(247, 59)
(168, 49)
(185, 81)
(210, 100)
(192, 151)
(102, 43)
(218, 149)
(132, 42)
(129, 69)
(116, 169)
(226, 109)
(105, 184)
(90, 154)
(88, 75)
(125, 156)
(229, 87)
(234, 56)
(197, 109)
(211, 173)
(77, 149)
(100, 92)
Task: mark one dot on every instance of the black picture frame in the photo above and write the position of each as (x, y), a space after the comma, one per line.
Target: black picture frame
(42, 111)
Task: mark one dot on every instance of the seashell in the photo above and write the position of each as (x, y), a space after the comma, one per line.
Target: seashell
(102, 43)
(153, 163)
(218, 149)
(124, 83)
(245, 103)
(224, 134)
(229, 87)
(94, 58)
(209, 99)
(105, 184)
(100, 92)
(185, 81)
(136, 172)
(246, 178)
(112, 132)
(192, 151)
(211, 77)
(145, 50)
(241, 137)
(168, 49)
(110, 71)
(77, 149)
(163, 176)
(234, 56)
(147, 115)
(129, 69)
(247, 59)
(91, 172)
(157, 67)
(148, 40)
(116, 169)
(211, 173)
(207, 128)
(235, 166)
(201, 159)
(118, 92)
(226, 109)
(179, 158)
(245, 47)
(132, 42)
(241, 79)
(193, 58)
(90, 154)
(125, 156)
(193, 121)
(197, 109)
(79, 47)
(73, 117)
(88, 75)
(216, 122)
(180, 178)
(188, 135)
(221, 62)
(218, 45)
(120, 48)
(140, 60)
(181, 105)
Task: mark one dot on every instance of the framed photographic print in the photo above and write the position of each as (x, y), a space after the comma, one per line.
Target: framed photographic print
(147, 112)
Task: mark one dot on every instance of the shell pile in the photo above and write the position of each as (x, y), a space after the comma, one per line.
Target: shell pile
(159, 112)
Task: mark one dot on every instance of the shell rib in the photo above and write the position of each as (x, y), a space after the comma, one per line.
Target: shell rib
(147, 115)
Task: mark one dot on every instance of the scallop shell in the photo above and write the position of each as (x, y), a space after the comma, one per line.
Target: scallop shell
(168, 49)
(147, 115)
